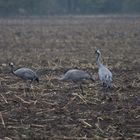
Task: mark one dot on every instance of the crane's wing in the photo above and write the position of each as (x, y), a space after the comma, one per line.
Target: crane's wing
(25, 73)
(105, 75)
(29, 74)
(78, 75)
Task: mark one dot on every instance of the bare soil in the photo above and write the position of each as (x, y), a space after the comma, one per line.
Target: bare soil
(56, 110)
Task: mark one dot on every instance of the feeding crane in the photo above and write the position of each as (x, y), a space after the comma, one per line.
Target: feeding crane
(76, 76)
(24, 73)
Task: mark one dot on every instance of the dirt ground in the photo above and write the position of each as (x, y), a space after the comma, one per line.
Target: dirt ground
(54, 110)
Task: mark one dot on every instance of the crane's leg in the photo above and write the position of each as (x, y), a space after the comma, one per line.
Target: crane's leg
(31, 86)
(28, 84)
(106, 95)
(81, 88)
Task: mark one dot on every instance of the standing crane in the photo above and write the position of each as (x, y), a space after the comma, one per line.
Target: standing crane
(104, 73)
(76, 76)
(24, 73)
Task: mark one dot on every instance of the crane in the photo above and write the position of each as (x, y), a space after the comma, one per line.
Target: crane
(76, 76)
(104, 73)
(24, 73)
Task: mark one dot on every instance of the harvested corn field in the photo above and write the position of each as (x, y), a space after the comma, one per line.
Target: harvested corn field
(57, 110)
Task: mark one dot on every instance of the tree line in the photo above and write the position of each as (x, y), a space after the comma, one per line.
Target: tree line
(62, 7)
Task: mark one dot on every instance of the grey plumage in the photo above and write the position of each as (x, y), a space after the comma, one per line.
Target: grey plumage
(25, 73)
(76, 76)
(104, 73)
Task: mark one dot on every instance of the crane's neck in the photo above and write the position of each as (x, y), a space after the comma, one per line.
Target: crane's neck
(61, 78)
(99, 64)
(12, 69)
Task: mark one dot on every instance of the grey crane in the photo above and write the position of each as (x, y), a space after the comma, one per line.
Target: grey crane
(104, 73)
(24, 73)
(76, 76)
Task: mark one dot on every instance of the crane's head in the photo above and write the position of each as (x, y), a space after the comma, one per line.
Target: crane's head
(98, 52)
(11, 64)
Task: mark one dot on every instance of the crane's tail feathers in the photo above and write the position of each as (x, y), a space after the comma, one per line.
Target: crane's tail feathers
(92, 79)
(37, 79)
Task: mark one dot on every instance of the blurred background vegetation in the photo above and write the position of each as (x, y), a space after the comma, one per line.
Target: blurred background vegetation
(63, 7)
